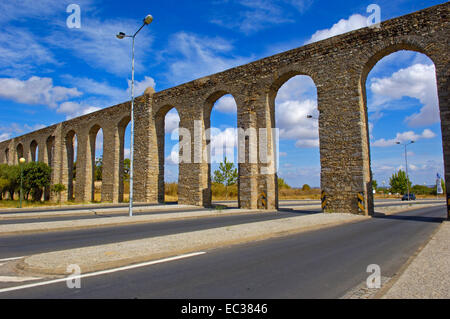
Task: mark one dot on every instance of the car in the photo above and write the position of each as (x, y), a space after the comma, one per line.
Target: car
(411, 197)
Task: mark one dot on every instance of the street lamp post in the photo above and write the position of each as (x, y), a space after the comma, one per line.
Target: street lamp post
(21, 162)
(148, 19)
(406, 160)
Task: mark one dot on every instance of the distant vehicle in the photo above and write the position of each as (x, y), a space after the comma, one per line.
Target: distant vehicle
(411, 197)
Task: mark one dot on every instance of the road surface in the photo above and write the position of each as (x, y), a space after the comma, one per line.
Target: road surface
(320, 264)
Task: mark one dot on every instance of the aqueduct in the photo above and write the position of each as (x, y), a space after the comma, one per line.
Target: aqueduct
(339, 67)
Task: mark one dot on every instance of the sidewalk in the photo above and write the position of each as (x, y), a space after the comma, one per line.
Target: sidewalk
(428, 275)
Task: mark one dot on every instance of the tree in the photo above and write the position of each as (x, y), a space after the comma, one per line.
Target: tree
(58, 189)
(399, 183)
(282, 184)
(36, 176)
(443, 185)
(422, 190)
(99, 169)
(12, 175)
(375, 185)
(4, 184)
(306, 188)
(226, 175)
(126, 169)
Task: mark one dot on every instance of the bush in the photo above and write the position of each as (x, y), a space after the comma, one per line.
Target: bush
(36, 176)
(11, 177)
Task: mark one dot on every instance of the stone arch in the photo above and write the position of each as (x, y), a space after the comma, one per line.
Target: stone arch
(91, 159)
(285, 76)
(50, 146)
(267, 115)
(208, 107)
(6, 156)
(34, 146)
(69, 170)
(383, 51)
(121, 129)
(160, 126)
(19, 151)
(414, 44)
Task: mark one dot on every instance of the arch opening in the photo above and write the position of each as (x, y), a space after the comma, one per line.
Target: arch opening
(19, 151)
(294, 112)
(34, 151)
(167, 122)
(96, 162)
(124, 130)
(400, 98)
(220, 124)
(71, 145)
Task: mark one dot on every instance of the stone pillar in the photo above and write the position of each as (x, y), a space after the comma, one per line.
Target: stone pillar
(121, 141)
(146, 163)
(248, 159)
(443, 83)
(111, 160)
(267, 156)
(55, 158)
(344, 145)
(84, 180)
(193, 168)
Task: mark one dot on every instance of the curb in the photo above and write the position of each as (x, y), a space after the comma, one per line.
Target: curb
(149, 220)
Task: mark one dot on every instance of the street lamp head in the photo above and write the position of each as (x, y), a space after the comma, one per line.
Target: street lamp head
(412, 142)
(22, 160)
(309, 116)
(148, 19)
(121, 35)
(398, 143)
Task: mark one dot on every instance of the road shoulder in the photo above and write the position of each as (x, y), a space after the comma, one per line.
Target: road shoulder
(427, 276)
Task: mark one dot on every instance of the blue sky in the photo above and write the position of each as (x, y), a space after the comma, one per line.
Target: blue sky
(50, 73)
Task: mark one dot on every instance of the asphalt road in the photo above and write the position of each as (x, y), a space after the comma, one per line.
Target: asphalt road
(320, 264)
(91, 214)
(24, 245)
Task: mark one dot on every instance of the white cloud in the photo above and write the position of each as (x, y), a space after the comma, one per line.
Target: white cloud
(15, 129)
(74, 109)
(404, 138)
(354, 22)
(294, 125)
(295, 100)
(35, 90)
(22, 54)
(95, 41)
(417, 81)
(4, 137)
(226, 104)
(223, 143)
(172, 121)
(191, 57)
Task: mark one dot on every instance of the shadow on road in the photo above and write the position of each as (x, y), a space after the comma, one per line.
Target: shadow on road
(426, 219)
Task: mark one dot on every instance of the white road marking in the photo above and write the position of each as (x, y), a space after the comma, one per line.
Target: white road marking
(11, 259)
(17, 279)
(1, 265)
(103, 272)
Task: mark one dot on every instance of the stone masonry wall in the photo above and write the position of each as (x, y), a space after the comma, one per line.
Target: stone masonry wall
(338, 66)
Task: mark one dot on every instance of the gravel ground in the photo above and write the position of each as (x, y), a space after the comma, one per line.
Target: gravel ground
(428, 275)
